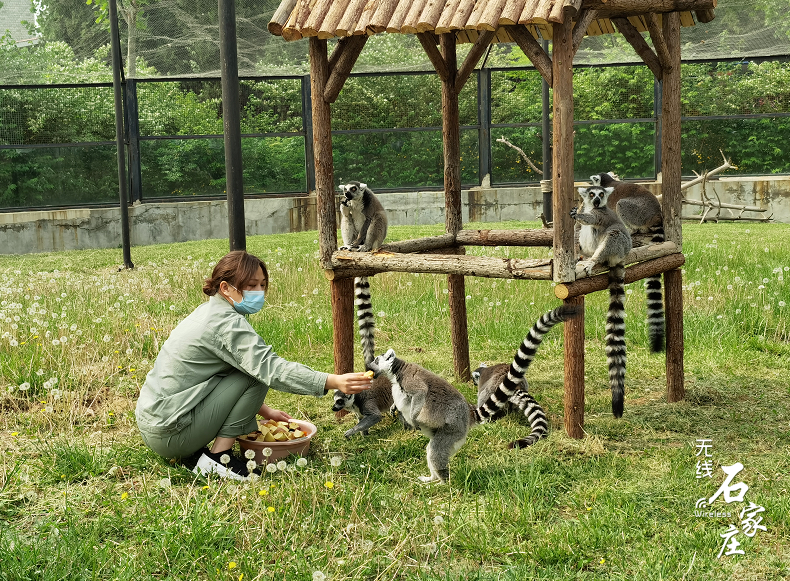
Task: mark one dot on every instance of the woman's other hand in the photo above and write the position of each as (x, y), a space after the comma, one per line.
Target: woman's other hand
(273, 414)
(348, 382)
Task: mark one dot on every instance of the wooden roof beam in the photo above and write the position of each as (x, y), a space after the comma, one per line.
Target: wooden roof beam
(654, 27)
(586, 16)
(343, 58)
(473, 57)
(531, 47)
(633, 7)
(641, 47)
(428, 42)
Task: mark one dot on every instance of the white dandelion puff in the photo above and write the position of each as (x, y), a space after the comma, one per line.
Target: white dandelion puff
(319, 576)
(251, 465)
(302, 462)
(24, 386)
(266, 452)
(249, 454)
(225, 459)
(438, 519)
(281, 465)
(271, 468)
(336, 461)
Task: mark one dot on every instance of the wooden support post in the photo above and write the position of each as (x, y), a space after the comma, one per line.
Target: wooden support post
(343, 323)
(451, 137)
(673, 308)
(672, 205)
(562, 166)
(342, 293)
(573, 332)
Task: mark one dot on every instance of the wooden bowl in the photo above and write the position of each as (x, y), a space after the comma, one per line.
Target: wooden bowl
(280, 450)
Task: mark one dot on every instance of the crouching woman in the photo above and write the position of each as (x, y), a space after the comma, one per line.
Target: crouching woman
(213, 372)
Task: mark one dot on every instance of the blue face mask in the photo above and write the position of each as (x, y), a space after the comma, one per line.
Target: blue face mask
(251, 303)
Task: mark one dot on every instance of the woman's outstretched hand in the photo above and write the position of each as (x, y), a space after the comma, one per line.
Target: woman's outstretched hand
(348, 382)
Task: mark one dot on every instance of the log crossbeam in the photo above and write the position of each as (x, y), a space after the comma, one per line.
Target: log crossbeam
(535, 53)
(634, 38)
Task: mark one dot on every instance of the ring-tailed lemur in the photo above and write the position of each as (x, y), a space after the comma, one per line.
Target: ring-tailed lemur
(641, 211)
(363, 226)
(370, 405)
(363, 220)
(605, 239)
(487, 378)
(436, 408)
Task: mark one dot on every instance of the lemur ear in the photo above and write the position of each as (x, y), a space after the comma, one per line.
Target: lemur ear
(342, 188)
(609, 190)
(582, 191)
(363, 186)
(595, 180)
(389, 354)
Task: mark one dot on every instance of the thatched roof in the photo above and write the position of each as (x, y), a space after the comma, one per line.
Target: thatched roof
(295, 19)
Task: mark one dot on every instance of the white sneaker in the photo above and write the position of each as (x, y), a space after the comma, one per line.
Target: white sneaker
(211, 463)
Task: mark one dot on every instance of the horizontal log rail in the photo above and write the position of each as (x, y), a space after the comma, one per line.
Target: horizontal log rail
(639, 254)
(346, 264)
(633, 273)
(522, 237)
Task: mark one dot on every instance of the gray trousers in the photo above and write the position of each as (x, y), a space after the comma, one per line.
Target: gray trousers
(227, 412)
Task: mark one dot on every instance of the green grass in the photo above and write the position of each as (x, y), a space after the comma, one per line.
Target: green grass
(81, 497)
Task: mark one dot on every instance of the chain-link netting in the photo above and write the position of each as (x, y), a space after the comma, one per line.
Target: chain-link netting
(180, 38)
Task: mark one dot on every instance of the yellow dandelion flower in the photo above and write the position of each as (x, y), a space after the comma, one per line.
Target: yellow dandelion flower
(205, 487)
(329, 484)
(14, 433)
(232, 565)
(124, 496)
(263, 492)
(270, 509)
(602, 561)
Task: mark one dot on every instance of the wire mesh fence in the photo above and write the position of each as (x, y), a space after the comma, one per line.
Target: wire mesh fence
(57, 143)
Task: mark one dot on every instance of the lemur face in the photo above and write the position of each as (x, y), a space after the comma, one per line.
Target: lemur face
(595, 196)
(352, 191)
(382, 363)
(342, 401)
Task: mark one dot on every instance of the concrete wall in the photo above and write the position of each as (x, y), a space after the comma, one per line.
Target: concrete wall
(55, 230)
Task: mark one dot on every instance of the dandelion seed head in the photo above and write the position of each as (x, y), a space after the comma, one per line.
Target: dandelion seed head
(224, 458)
(271, 468)
(302, 462)
(438, 519)
(282, 465)
(266, 452)
(251, 465)
(249, 454)
(336, 461)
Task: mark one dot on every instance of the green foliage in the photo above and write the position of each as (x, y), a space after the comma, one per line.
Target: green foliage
(407, 152)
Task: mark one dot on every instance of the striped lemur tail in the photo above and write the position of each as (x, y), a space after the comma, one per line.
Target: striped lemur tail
(364, 317)
(536, 416)
(615, 337)
(654, 300)
(524, 356)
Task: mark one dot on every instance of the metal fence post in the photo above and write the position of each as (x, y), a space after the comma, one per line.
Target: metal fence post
(231, 121)
(307, 129)
(484, 119)
(546, 185)
(133, 140)
(657, 107)
(118, 97)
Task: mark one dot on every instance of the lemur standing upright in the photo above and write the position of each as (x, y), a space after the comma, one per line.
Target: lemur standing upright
(605, 239)
(363, 220)
(436, 408)
(641, 211)
(363, 226)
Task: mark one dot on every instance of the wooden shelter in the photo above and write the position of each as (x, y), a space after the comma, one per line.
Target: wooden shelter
(440, 26)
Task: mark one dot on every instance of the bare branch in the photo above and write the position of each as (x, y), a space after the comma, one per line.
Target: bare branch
(522, 154)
